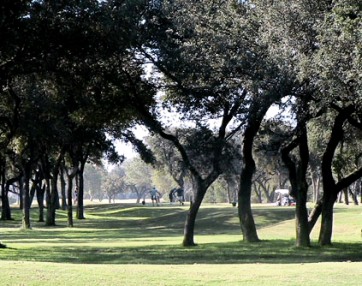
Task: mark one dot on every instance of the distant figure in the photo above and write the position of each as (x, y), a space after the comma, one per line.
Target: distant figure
(155, 196)
(180, 195)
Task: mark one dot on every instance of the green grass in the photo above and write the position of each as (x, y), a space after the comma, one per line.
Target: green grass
(124, 244)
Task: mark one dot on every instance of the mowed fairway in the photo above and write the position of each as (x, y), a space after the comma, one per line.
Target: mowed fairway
(125, 244)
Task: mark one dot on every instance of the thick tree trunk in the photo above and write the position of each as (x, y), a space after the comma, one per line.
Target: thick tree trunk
(189, 227)
(62, 188)
(330, 190)
(246, 218)
(302, 225)
(325, 235)
(70, 202)
(5, 204)
(80, 205)
(51, 201)
(5, 209)
(26, 203)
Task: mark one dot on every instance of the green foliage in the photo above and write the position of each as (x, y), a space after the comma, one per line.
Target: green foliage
(337, 63)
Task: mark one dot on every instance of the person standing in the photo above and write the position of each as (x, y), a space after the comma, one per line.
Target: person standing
(155, 196)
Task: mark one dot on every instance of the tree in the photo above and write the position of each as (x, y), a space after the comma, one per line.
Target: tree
(113, 185)
(340, 90)
(92, 181)
(138, 177)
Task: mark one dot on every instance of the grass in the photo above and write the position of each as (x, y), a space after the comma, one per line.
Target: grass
(134, 245)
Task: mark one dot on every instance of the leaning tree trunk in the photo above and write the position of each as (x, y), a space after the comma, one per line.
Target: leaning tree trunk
(325, 235)
(330, 191)
(246, 218)
(189, 227)
(315, 214)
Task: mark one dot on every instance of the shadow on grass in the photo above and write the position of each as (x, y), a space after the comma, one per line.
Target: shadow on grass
(271, 252)
(149, 236)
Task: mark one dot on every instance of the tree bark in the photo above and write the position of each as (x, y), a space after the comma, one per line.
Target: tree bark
(246, 218)
(51, 190)
(80, 205)
(314, 215)
(70, 201)
(26, 197)
(62, 188)
(325, 235)
(6, 210)
(189, 227)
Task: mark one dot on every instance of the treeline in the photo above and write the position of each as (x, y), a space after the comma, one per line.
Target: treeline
(200, 75)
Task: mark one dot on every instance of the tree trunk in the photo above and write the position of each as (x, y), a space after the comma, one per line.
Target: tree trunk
(26, 197)
(40, 199)
(314, 215)
(62, 188)
(5, 210)
(51, 189)
(345, 194)
(189, 226)
(70, 201)
(302, 225)
(80, 205)
(354, 196)
(330, 190)
(325, 235)
(246, 218)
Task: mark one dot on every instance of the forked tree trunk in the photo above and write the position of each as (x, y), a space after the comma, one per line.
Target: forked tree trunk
(297, 169)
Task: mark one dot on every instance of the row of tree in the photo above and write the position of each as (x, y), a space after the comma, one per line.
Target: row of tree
(75, 73)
